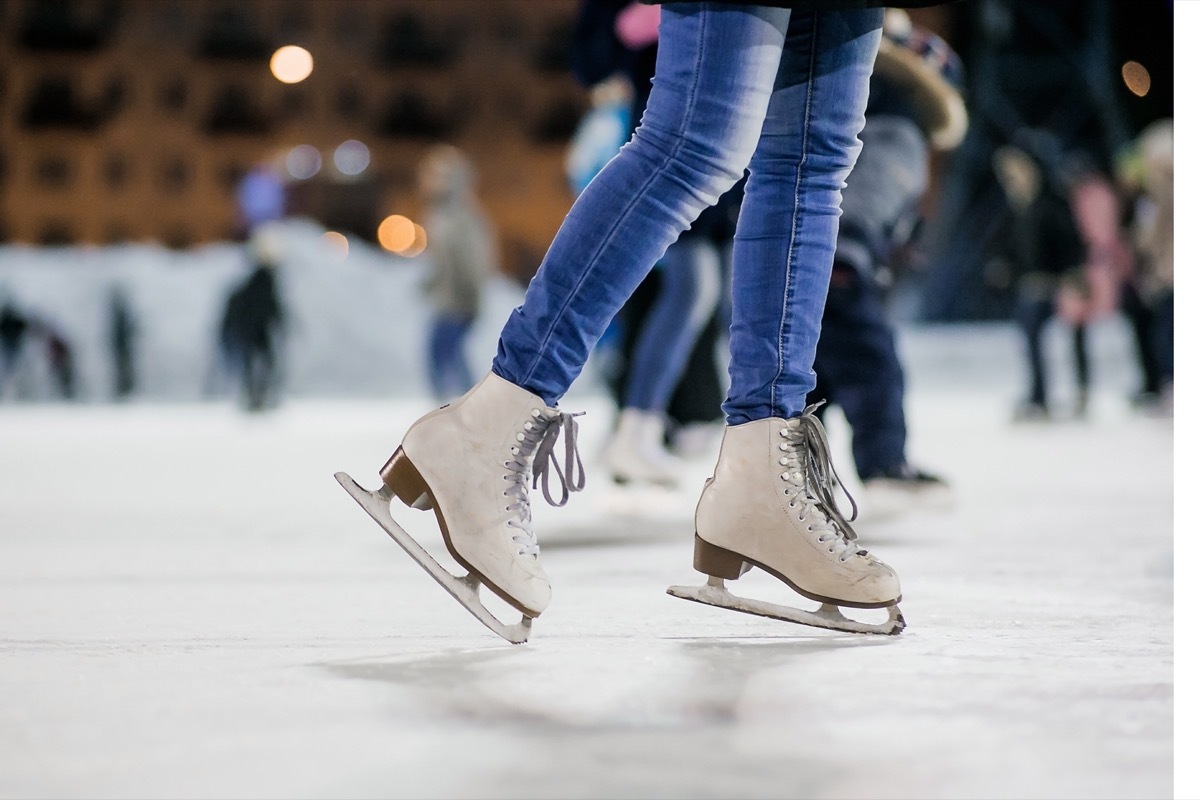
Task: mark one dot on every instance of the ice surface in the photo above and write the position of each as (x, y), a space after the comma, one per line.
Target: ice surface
(190, 606)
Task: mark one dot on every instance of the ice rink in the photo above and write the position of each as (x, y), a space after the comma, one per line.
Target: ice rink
(190, 606)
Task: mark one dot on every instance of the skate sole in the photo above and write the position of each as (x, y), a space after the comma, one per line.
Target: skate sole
(464, 588)
(828, 616)
(719, 562)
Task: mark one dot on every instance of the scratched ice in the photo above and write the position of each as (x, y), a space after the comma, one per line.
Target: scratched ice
(191, 607)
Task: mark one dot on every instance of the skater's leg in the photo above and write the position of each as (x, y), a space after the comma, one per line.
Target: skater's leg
(1083, 379)
(1141, 319)
(459, 373)
(857, 357)
(787, 229)
(474, 460)
(770, 500)
(1032, 315)
(439, 355)
(716, 65)
(688, 293)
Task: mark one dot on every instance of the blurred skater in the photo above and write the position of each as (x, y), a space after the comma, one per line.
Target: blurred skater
(915, 107)
(122, 332)
(1047, 250)
(462, 257)
(657, 330)
(14, 327)
(252, 326)
(60, 357)
(1155, 242)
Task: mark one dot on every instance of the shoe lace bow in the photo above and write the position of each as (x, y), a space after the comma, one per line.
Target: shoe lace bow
(533, 456)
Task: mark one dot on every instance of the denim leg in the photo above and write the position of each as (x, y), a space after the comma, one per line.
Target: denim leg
(787, 230)
(713, 81)
(448, 372)
(1032, 316)
(1164, 334)
(1079, 350)
(859, 370)
(690, 290)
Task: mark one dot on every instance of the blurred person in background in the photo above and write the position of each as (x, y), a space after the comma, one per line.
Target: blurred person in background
(462, 257)
(1133, 304)
(60, 357)
(915, 107)
(1046, 251)
(122, 333)
(253, 325)
(14, 327)
(1155, 242)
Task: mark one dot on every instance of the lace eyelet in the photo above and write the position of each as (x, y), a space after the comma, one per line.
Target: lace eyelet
(520, 437)
(784, 476)
(528, 426)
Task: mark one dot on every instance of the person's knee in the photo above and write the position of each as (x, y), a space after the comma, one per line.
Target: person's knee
(709, 162)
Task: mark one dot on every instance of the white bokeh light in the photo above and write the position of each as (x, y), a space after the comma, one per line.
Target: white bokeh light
(351, 157)
(303, 161)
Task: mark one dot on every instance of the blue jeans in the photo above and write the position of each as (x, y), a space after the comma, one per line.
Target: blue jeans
(449, 375)
(859, 370)
(781, 91)
(687, 296)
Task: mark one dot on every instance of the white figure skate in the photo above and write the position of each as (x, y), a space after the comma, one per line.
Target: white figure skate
(637, 454)
(769, 504)
(471, 463)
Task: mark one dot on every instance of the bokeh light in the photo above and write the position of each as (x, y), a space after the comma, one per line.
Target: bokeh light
(303, 161)
(418, 245)
(351, 157)
(338, 243)
(1136, 77)
(397, 233)
(291, 64)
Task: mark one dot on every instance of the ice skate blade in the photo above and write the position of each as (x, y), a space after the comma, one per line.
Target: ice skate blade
(828, 616)
(465, 588)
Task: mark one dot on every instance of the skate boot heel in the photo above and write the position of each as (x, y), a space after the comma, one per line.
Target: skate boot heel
(402, 478)
(718, 562)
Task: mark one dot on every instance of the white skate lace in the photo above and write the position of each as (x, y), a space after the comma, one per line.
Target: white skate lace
(810, 469)
(533, 455)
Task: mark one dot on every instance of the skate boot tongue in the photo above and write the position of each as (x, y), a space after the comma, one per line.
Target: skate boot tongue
(812, 472)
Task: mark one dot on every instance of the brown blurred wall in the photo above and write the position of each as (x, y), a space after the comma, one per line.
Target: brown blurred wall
(107, 111)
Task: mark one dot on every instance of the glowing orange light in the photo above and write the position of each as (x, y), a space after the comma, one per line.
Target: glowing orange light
(338, 243)
(1137, 78)
(397, 233)
(291, 64)
(418, 245)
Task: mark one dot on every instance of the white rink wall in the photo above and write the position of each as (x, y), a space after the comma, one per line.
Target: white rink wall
(357, 323)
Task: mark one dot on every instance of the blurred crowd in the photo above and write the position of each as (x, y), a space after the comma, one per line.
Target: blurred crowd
(1079, 238)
